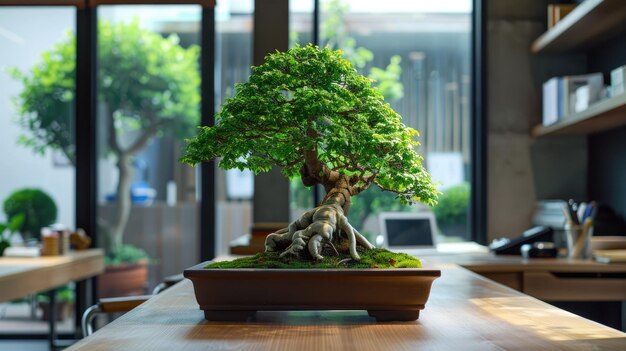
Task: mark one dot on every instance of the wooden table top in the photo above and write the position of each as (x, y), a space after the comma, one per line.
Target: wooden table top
(465, 312)
(488, 262)
(20, 276)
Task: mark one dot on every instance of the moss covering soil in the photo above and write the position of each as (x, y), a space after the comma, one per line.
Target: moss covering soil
(374, 258)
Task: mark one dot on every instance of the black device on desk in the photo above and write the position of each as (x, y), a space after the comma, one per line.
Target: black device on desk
(512, 246)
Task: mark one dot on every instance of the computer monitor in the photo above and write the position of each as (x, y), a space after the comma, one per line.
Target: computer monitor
(407, 230)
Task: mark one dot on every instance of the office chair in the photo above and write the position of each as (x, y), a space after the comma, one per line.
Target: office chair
(122, 304)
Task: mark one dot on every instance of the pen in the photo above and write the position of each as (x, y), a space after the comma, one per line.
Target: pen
(582, 207)
(594, 210)
(571, 206)
(568, 218)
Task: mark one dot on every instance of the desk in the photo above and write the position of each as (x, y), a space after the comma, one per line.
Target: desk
(465, 312)
(21, 276)
(550, 279)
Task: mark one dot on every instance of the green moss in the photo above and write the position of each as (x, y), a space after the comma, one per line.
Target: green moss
(374, 258)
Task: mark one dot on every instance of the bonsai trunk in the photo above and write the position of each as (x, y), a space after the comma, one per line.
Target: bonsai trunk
(339, 187)
(324, 224)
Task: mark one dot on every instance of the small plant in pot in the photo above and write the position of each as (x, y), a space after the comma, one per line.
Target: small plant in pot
(126, 272)
(308, 112)
(64, 304)
(35, 206)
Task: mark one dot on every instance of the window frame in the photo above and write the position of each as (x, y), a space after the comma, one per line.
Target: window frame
(477, 221)
(85, 107)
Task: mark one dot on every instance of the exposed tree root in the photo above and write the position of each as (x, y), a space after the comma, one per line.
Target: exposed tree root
(314, 229)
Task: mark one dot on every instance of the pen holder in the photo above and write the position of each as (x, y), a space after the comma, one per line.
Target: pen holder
(577, 238)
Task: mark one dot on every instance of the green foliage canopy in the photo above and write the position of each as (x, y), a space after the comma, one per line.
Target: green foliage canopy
(310, 100)
(148, 83)
(45, 104)
(35, 206)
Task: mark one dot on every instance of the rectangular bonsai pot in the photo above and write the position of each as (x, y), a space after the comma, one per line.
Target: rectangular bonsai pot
(236, 294)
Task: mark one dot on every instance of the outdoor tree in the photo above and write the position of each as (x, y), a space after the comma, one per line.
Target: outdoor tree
(334, 34)
(148, 87)
(309, 112)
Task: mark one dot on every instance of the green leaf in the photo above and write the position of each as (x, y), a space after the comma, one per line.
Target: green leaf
(144, 80)
(313, 100)
(16, 222)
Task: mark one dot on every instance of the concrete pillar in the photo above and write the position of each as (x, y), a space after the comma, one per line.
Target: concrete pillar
(271, 33)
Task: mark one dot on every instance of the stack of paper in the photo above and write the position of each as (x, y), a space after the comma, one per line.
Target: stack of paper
(21, 251)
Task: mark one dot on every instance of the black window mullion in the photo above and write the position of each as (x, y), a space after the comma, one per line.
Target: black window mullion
(207, 110)
(85, 122)
(478, 179)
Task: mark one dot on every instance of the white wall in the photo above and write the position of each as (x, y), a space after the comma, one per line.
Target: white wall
(24, 34)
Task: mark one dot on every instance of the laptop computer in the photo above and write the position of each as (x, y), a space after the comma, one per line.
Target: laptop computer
(410, 232)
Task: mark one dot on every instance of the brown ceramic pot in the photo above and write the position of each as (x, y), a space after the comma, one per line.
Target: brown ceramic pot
(236, 294)
(123, 280)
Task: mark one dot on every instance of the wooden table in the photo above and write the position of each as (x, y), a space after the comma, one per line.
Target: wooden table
(20, 276)
(465, 312)
(548, 279)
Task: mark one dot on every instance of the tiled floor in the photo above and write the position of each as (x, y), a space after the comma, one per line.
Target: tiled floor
(24, 345)
(16, 318)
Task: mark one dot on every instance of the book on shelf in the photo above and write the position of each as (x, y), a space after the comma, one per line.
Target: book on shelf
(550, 101)
(564, 96)
(610, 256)
(556, 12)
(618, 80)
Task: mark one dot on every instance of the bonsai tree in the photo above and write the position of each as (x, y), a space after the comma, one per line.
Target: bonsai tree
(35, 206)
(308, 111)
(148, 87)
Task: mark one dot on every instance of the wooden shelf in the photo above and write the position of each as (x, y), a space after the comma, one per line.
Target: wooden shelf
(604, 115)
(588, 24)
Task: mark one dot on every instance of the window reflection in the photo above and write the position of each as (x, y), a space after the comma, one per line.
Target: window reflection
(37, 69)
(419, 55)
(148, 78)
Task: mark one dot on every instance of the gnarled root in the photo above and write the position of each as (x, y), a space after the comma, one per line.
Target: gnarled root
(313, 229)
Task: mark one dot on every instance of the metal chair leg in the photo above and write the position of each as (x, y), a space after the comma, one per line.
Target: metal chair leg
(87, 319)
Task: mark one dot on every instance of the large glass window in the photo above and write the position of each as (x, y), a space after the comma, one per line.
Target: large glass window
(418, 52)
(148, 88)
(233, 59)
(301, 198)
(37, 68)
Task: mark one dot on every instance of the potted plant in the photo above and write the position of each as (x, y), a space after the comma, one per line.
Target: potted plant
(148, 88)
(64, 304)
(125, 274)
(35, 206)
(309, 112)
